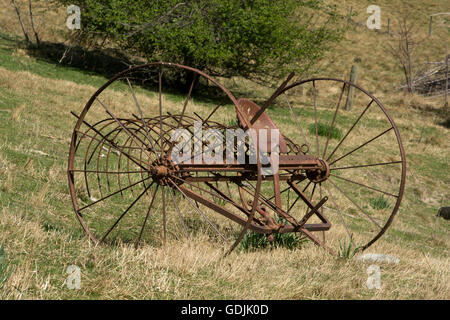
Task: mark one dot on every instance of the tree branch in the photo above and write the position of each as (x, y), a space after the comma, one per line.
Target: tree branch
(21, 22)
(38, 42)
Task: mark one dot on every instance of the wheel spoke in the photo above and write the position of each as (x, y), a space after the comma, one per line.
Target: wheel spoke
(355, 204)
(365, 143)
(163, 195)
(114, 193)
(350, 130)
(140, 113)
(160, 111)
(186, 232)
(110, 143)
(212, 112)
(124, 213)
(132, 135)
(199, 211)
(146, 216)
(365, 186)
(367, 165)
(108, 172)
(340, 214)
(315, 120)
(187, 100)
(298, 125)
(321, 210)
(334, 119)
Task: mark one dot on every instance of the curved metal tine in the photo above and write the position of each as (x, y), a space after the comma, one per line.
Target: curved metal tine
(365, 186)
(298, 125)
(315, 119)
(99, 142)
(334, 119)
(367, 165)
(123, 127)
(340, 214)
(157, 143)
(124, 213)
(128, 165)
(98, 169)
(199, 138)
(109, 151)
(365, 143)
(114, 193)
(187, 99)
(146, 217)
(142, 116)
(112, 144)
(199, 211)
(355, 204)
(186, 232)
(350, 130)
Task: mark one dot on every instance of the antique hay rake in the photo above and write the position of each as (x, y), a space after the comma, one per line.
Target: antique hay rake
(347, 167)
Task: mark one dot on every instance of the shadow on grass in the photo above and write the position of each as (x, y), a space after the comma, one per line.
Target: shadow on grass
(110, 62)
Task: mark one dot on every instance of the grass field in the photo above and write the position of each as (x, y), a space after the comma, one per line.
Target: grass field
(40, 235)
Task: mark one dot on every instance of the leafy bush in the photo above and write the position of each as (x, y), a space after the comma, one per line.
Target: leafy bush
(257, 39)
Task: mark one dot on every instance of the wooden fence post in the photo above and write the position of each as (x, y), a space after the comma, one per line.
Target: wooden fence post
(446, 77)
(353, 78)
(430, 30)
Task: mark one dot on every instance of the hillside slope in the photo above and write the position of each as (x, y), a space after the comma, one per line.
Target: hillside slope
(40, 236)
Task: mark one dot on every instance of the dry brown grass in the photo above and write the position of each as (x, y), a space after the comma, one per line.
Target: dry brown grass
(195, 270)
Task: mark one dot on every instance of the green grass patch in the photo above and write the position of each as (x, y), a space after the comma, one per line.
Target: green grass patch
(324, 130)
(379, 203)
(255, 241)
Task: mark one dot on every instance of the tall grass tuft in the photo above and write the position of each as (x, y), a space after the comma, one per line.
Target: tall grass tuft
(379, 203)
(347, 250)
(255, 241)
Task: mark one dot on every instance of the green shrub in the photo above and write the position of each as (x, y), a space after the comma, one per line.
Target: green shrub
(261, 40)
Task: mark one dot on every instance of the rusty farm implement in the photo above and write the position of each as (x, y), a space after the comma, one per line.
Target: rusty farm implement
(340, 174)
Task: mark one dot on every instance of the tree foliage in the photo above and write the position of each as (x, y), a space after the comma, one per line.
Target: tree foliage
(257, 39)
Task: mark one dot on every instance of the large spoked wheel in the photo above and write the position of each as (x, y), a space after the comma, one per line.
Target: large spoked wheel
(124, 182)
(361, 149)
